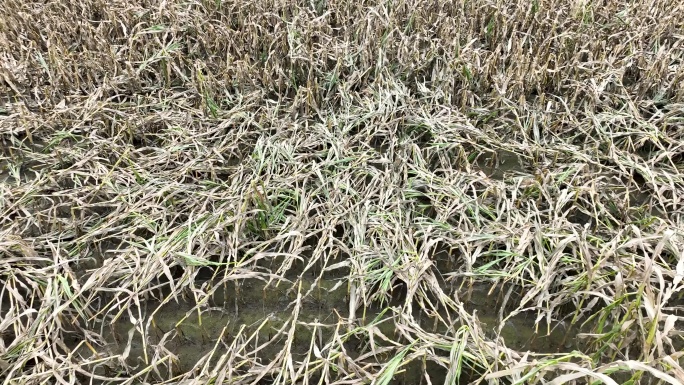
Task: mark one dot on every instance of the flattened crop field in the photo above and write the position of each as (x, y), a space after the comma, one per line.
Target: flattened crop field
(335, 192)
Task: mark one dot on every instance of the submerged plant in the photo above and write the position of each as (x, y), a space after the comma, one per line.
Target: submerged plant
(321, 193)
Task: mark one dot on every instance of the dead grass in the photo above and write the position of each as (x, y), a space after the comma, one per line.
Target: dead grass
(158, 153)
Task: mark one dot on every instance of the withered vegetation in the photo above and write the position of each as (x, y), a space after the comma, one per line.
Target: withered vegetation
(338, 192)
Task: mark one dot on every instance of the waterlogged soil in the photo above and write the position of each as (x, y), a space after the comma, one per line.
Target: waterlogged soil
(191, 325)
(630, 197)
(186, 327)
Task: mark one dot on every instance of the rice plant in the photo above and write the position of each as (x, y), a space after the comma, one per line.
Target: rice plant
(328, 192)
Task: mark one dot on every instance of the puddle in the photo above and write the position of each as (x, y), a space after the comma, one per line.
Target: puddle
(258, 316)
(499, 164)
(519, 332)
(17, 164)
(191, 331)
(252, 313)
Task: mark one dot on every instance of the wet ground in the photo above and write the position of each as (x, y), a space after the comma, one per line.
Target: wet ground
(257, 311)
(180, 330)
(192, 325)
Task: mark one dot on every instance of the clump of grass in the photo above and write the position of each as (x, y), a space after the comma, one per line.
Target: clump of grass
(309, 192)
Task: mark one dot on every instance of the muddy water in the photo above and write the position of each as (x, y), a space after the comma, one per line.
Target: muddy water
(192, 325)
(231, 307)
(628, 200)
(236, 310)
(499, 165)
